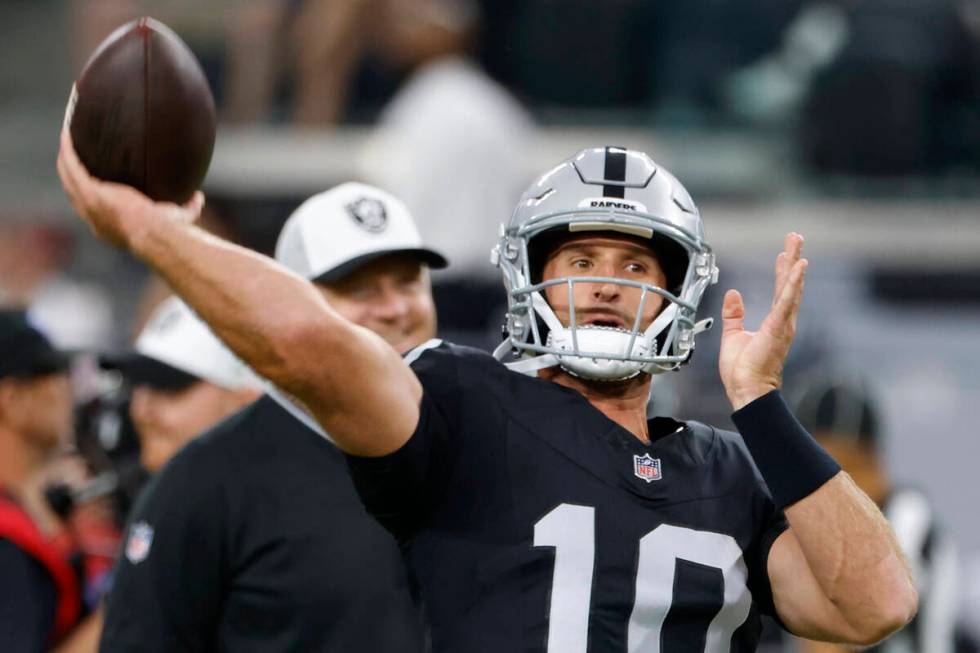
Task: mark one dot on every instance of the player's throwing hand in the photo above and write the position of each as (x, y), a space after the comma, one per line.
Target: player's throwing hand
(117, 213)
(751, 362)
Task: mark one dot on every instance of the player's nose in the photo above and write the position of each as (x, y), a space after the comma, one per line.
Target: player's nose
(605, 291)
(139, 405)
(391, 304)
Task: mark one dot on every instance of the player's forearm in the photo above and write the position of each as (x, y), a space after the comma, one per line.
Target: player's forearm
(258, 308)
(854, 556)
(847, 545)
(280, 325)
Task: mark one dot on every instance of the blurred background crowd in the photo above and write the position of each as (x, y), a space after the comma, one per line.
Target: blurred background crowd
(856, 123)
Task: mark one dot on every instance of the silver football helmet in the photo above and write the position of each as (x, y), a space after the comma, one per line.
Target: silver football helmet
(604, 189)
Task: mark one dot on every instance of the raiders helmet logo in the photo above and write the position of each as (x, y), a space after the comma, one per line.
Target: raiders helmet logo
(612, 203)
(369, 213)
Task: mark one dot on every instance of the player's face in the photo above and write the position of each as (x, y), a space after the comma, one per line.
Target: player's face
(39, 409)
(166, 420)
(390, 296)
(607, 304)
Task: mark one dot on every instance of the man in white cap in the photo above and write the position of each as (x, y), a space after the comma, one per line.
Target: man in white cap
(184, 381)
(253, 537)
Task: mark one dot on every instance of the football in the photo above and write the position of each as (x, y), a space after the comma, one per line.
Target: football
(141, 112)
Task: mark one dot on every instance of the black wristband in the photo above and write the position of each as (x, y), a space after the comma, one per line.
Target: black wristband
(792, 464)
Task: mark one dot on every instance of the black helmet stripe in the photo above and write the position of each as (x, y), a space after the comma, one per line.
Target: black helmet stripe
(615, 170)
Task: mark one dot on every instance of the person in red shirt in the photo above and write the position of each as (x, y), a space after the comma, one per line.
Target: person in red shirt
(40, 598)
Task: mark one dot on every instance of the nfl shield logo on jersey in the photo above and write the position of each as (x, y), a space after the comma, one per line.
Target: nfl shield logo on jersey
(138, 544)
(646, 468)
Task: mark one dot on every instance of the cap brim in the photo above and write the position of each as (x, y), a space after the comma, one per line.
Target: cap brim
(49, 362)
(138, 369)
(430, 257)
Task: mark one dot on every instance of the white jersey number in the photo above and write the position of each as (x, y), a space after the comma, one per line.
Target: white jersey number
(571, 530)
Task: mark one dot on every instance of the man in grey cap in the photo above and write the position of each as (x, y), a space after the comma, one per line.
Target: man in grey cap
(259, 515)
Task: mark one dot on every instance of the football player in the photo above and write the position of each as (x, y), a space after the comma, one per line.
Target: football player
(544, 511)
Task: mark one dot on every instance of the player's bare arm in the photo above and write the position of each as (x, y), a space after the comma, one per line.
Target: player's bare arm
(273, 319)
(838, 573)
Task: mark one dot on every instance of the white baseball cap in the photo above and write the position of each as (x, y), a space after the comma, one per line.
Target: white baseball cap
(335, 232)
(176, 349)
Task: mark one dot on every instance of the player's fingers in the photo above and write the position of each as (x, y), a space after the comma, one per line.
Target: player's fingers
(792, 250)
(195, 204)
(733, 312)
(782, 269)
(68, 153)
(784, 312)
(190, 210)
(73, 174)
(793, 245)
(68, 183)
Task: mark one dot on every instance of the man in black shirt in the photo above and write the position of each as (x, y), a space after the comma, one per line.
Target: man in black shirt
(40, 590)
(253, 538)
(547, 513)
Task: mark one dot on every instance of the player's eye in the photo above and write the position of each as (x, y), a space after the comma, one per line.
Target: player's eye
(410, 286)
(581, 264)
(636, 268)
(361, 293)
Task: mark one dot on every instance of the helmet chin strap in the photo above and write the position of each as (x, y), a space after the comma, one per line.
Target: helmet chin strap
(531, 366)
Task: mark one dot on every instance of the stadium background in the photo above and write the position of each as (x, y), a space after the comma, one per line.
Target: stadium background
(855, 124)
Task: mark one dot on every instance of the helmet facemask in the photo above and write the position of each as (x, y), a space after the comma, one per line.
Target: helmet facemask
(595, 352)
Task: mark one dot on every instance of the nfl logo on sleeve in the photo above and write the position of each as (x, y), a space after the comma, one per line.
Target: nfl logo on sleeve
(139, 542)
(646, 468)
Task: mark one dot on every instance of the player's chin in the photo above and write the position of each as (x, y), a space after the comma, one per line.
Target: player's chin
(155, 452)
(405, 341)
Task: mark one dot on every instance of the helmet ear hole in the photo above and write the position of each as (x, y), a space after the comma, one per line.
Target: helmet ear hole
(540, 248)
(673, 259)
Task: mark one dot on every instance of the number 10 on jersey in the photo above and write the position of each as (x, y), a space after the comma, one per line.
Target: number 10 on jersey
(570, 529)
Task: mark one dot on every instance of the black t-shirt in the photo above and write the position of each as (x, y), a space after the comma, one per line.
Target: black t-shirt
(535, 523)
(28, 600)
(252, 538)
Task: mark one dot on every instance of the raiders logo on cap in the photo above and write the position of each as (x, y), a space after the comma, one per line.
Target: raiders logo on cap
(369, 213)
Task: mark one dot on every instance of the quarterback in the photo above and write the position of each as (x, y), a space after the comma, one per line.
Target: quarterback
(538, 506)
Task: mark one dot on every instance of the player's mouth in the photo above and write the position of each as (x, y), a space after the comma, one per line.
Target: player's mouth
(608, 320)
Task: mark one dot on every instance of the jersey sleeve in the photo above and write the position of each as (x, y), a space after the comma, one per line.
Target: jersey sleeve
(400, 489)
(166, 590)
(771, 523)
(27, 601)
(774, 524)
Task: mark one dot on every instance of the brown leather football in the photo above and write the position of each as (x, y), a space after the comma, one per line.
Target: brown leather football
(143, 113)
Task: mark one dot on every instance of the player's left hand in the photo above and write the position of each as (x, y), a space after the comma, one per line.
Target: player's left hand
(751, 362)
(117, 213)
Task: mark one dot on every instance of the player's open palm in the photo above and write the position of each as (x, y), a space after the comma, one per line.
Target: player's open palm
(116, 213)
(751, 362)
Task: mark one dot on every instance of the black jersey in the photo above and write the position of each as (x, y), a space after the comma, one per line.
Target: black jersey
(252, 538)
(535, 523)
